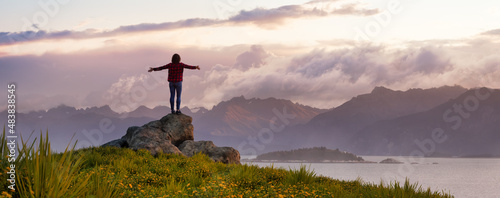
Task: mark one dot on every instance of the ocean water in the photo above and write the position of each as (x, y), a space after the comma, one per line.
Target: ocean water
(462, 177)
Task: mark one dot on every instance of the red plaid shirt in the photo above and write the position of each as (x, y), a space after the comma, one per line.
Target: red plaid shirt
(175, 71)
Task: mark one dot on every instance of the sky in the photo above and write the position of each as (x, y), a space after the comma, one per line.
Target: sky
(319, 53)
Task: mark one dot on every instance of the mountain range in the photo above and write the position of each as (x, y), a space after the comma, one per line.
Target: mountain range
(468, 125)
(340, 125)
(226, 123)
(388, 122)
(444, 121)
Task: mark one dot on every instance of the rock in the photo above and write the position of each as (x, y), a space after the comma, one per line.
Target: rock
(156, 147)
(173, 134)
(227, 155)
(189, 147)
(176, 128)
(118, 143)
(390, 161)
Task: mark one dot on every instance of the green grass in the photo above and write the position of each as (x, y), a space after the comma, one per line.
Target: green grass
(45, 175)
(118, 172)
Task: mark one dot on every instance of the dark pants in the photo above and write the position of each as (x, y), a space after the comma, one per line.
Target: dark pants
(175, 87)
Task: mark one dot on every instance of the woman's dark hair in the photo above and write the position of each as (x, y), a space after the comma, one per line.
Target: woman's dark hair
(176, 58)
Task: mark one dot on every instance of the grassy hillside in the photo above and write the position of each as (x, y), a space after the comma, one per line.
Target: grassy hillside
(116, 172)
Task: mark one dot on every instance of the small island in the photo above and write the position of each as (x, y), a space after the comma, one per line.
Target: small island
(310, 155)
(390, 161)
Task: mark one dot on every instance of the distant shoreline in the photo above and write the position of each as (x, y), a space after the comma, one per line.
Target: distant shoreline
(250, 160)
(308, 161)
(447, 157)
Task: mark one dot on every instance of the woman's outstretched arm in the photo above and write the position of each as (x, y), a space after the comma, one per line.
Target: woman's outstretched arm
(190, 67)
(158, 68)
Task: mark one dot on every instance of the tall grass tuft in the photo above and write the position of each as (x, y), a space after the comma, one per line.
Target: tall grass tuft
(246, 176)
(3, 147)
(4, 150)
(42, 174)
(302, 175)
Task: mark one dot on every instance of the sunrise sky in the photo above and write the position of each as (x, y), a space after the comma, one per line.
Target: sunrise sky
(319, 53)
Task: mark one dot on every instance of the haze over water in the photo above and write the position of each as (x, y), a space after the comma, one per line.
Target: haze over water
(462, 177)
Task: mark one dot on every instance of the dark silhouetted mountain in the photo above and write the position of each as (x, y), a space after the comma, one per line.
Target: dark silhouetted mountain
(96, 125)
(383, 104)
(61, 111)
(244, 117)
(142, 111)
(90, 126)
(160, 111)
(104, 110)
(335, 127)
(465, 126)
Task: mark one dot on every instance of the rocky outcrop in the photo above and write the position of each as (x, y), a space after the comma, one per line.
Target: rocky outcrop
(117, 143)
(227, 155)
(173, 134)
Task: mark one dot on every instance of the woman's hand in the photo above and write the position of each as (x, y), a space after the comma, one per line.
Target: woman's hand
(150, 69)
(198, 67)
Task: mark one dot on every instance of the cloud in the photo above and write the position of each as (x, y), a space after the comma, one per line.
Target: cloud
(8, 38)
(352, 63)
(321, 77)
(494, 32)
(88, 78)
(132, 91)
(273, 80)
(261, 17)
(253, 58)
(276, 16)
(326, 78)
(196, 22)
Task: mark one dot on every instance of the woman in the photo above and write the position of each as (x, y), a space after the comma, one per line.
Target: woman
(175, 71)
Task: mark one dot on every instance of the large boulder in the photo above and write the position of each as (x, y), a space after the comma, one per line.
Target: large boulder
(227, 155)
(175, 128)
(173, 134)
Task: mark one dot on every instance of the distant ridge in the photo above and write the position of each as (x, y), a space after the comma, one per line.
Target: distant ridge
(63, 121)
(336, 127)
(242, 117)
(466, 129)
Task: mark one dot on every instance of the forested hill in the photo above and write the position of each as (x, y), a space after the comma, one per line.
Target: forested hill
(311, 154)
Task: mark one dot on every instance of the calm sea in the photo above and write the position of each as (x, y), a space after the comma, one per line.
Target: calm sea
(462, 177)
